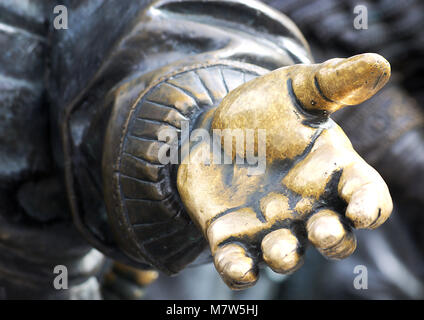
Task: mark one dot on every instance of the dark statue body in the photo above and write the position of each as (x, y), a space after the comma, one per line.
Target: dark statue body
(81, 181)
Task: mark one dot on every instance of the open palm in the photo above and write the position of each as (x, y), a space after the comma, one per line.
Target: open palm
(315, 187)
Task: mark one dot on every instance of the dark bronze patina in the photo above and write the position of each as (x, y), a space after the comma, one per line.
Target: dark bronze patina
(214, 65)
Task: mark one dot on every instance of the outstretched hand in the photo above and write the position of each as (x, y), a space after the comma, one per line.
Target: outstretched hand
(315, 187)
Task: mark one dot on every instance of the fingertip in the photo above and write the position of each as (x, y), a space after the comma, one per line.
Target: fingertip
(325, 229)
(280, 250)
(235, 267)
(329, 235)
(369, 207)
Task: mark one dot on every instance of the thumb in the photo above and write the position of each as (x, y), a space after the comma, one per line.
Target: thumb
(336, 83)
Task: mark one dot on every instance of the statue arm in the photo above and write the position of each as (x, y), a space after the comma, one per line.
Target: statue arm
(194, 64)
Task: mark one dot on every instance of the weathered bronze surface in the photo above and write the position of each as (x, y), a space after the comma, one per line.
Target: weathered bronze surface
(123, 198)
(112, 88)
(125, 282)
(315, 183)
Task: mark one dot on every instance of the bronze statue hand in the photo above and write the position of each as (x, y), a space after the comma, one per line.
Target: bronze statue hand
(315, 186)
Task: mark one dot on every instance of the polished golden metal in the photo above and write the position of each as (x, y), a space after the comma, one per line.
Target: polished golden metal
(141, 277)
(315, 187)
(138, 276)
